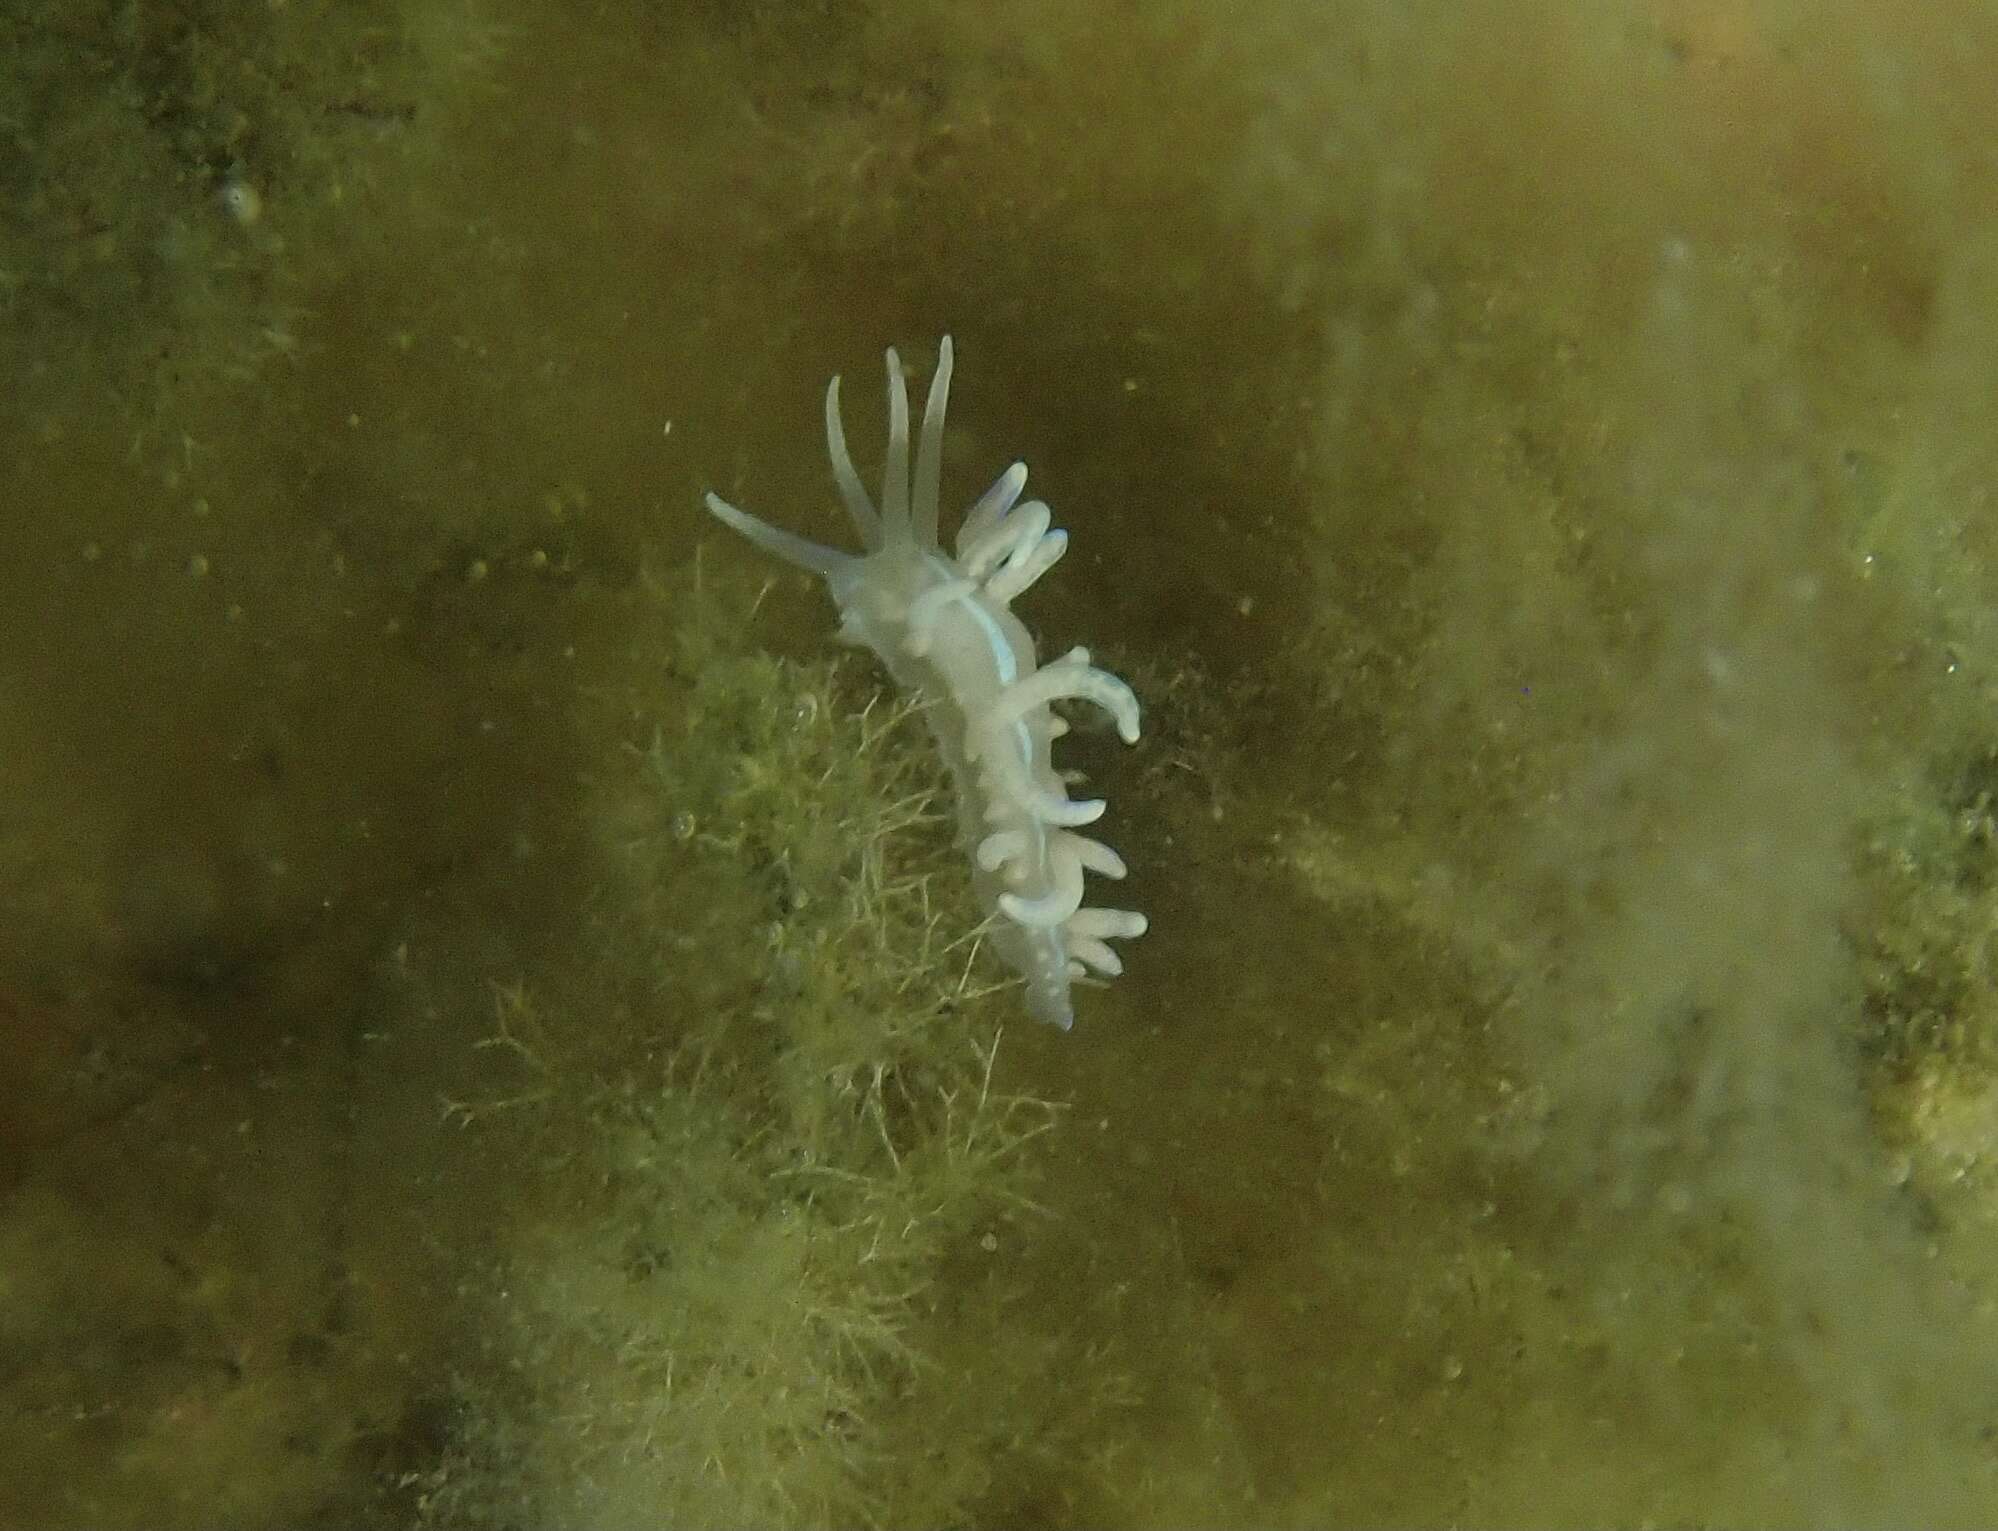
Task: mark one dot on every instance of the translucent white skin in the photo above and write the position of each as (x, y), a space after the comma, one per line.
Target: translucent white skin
(943, 628)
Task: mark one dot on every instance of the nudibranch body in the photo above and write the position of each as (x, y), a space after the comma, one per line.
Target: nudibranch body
(945, 629)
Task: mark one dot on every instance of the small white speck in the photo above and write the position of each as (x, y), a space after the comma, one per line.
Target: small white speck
(240, 200)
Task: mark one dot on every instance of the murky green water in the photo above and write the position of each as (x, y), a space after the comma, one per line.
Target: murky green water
(492, 1026)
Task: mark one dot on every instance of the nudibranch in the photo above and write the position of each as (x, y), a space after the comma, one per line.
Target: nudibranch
(944, 628)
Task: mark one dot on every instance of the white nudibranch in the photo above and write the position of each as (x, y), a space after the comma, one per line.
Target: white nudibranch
(943, 628)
